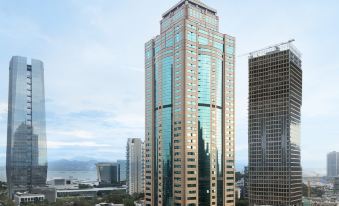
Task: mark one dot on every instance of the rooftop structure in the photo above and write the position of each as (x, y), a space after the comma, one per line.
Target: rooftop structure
(276, 48)
(196, 3)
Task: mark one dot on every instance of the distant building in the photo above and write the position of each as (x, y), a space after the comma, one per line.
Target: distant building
(50, 193)
(240, 185)
(336, 185)
(275, 99)
(333, 164)
(24, 198)
(123, 169)
(108, 173)
(245, 189)
(135, 165)
(26, 160)
(88, 193)
(61, 183)
(237, 192)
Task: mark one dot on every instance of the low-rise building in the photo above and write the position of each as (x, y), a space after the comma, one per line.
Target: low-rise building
(20, 198)
(88, 193)
(49, 192)
(62, 183)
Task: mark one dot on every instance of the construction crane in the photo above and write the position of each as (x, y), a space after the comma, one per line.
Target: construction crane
(269, 47)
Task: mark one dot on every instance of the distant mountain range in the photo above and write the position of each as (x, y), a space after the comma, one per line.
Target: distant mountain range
(72, 165)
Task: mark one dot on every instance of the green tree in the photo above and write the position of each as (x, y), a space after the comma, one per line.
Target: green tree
(128, 201)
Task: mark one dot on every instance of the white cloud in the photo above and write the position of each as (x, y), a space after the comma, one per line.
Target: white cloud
(83, 134)
(58, 144)
(3, 108)
(134, 120)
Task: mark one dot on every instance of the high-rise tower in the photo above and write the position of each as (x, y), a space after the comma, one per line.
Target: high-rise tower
(189, 140)
(275, 97)
(26, 163)
(135, 165)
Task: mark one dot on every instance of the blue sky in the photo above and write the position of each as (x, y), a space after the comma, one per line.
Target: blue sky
(94, 52)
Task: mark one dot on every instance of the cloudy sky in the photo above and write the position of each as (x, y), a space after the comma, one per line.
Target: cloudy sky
(94, 78)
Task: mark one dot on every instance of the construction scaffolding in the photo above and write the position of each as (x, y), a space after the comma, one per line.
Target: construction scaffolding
(276, 48)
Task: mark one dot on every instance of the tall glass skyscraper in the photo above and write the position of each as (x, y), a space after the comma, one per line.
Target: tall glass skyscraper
(275, 97)
(26, 164)
(189, 138)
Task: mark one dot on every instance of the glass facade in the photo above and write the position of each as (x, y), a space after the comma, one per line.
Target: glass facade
(333, 164)
(189, 137)
(108, 173)
(123, 169)
(26, 164)
(275, 97)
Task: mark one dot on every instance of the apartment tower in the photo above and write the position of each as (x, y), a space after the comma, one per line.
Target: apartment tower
(26, 163)
(275, 97)
(189, 139)
(135, 165)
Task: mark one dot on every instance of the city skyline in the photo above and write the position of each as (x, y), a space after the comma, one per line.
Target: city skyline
(106, 70)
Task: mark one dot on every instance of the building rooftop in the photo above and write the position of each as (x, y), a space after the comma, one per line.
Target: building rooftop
(276, 48)
(106, 164)
(22, 194)
(194, 2)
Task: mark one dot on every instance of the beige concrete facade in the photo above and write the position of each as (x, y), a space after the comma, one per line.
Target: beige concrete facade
(135, 166)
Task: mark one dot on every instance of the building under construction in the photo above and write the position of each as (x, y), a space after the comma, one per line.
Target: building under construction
(275, 97)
